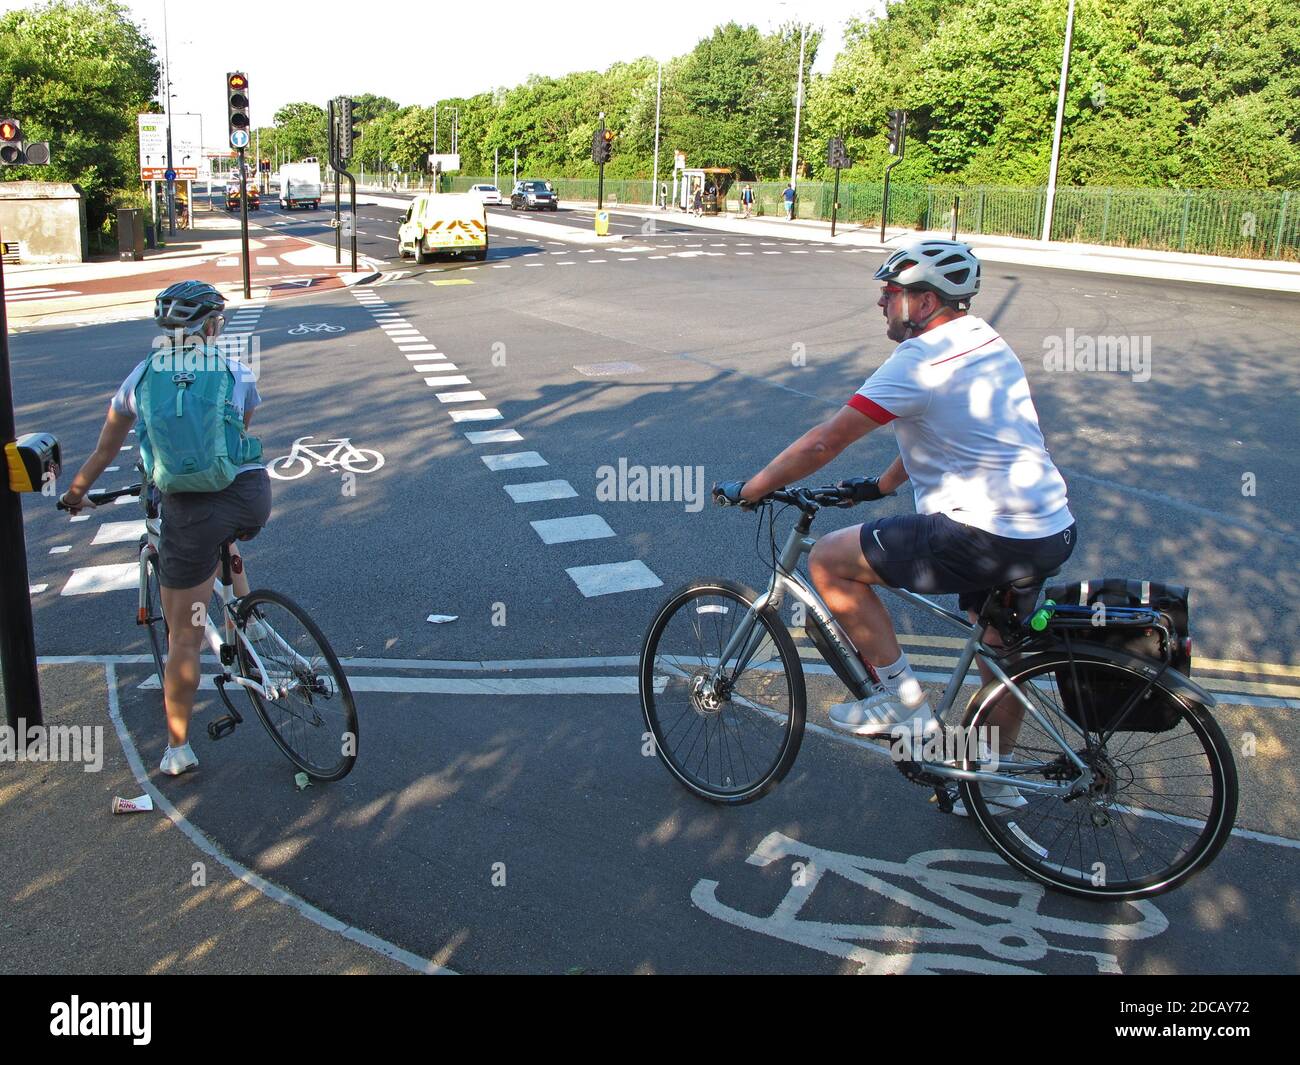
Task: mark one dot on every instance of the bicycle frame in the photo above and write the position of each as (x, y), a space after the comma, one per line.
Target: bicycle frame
(846, 662)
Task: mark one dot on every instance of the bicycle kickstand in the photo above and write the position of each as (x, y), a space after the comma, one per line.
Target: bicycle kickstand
(224, 726)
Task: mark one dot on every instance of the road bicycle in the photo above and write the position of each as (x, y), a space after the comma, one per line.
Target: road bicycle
(267, 646)
(301, 458)
(1076, 794)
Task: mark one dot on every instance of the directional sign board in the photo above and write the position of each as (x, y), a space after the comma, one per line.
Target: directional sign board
(239, 138)
(187, 146)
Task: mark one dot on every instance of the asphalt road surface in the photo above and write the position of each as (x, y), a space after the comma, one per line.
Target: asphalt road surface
(503, 815)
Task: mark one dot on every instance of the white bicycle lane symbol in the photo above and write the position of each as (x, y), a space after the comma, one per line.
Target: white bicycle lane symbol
(302, 329)
(997, 916)
(302, 457)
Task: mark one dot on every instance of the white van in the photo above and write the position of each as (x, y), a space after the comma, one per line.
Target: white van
(443, 222)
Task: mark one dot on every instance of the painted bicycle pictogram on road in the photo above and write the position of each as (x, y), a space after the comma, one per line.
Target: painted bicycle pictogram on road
(303, 328)
(303, 458)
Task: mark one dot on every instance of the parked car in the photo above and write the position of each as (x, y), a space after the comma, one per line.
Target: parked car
(486, 193)
(534, 196)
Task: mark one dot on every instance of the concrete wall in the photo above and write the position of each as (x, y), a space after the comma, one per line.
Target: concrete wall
(48, 217)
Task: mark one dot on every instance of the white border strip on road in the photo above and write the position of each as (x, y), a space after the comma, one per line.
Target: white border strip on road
(242, 872)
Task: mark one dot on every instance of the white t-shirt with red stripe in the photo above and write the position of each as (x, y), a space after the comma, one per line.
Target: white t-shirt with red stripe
(968, 432)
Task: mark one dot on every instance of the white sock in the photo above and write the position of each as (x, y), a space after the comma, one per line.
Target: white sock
(898, 678)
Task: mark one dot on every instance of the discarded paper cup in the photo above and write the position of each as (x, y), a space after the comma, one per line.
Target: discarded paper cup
(140, 804)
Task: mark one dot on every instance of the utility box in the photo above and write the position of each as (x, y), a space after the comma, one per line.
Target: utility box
(130, 235)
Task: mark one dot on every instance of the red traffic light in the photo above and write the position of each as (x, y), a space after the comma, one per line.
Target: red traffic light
(9, 130)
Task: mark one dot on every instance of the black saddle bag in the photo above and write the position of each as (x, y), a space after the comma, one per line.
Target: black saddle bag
(1143, 618)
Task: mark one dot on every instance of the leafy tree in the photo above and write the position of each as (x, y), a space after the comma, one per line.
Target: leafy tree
(77, 74)
(302, 129)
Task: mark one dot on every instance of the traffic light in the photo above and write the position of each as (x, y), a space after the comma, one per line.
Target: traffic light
(897, 131)
(347, 133)
(837, 155)
(602, 145)
(13, 152)
(11, 142)
(239, 119)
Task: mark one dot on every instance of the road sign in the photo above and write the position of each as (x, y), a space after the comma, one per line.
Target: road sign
(169, 175)
(187, 146)
(239, 138)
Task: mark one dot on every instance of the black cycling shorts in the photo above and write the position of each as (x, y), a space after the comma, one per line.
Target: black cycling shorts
(196, 524)
(934, 555)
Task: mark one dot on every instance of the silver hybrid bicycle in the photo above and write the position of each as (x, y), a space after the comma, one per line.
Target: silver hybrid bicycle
(1124, 784)
(268, 647)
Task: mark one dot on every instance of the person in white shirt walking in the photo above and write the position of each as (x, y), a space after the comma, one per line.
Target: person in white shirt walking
(991, 505)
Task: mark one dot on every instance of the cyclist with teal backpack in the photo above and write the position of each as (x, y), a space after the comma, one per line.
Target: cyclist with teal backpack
(193, 404)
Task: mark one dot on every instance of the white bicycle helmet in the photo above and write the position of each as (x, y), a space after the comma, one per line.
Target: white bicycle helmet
(947, 268)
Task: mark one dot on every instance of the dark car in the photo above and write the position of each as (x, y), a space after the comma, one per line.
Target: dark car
(534, 196)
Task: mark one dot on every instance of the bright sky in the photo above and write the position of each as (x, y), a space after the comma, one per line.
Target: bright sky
(416, 51)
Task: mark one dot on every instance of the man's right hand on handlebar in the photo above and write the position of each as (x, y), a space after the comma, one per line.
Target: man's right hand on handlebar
(728, 494)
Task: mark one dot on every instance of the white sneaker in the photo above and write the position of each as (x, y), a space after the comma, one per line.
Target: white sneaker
(178, 760)
(880, 714)
(998, 797)
(256, 629)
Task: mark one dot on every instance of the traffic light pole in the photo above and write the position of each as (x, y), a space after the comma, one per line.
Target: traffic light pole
(902, 148)
(17, 637)
(835, 200)
(334, 165)
(243, 224)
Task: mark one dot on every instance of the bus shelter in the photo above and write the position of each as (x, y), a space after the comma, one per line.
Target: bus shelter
(711, 182)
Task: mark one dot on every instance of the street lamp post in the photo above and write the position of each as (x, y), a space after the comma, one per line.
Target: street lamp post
(798, 109)
(1050, 202)
(659, 87)
(167, 79)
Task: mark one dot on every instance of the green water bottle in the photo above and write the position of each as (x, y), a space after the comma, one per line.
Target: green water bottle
(1043, 615)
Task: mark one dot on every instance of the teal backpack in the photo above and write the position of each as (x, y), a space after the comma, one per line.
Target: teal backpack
(192, 438)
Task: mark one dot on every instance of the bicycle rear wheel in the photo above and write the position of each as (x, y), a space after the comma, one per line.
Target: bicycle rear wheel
(730, 743)
(312, 717)
(154, 617)
(1160, 808)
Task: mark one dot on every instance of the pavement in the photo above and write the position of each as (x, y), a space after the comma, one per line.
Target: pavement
(109, 290)
(89, 892)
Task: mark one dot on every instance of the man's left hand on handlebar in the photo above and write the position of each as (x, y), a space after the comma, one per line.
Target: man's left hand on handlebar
(75, 505)
(863, 489)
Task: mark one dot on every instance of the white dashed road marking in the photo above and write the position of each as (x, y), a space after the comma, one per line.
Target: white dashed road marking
(569, 530)
(538, 491)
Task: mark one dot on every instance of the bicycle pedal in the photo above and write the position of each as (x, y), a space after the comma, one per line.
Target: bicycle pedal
(221, 728)
(944, 797)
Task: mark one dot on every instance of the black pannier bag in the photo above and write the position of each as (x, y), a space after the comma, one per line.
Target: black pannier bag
(1097, 702)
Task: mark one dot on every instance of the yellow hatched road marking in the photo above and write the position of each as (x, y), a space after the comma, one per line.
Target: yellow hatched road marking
(1265, 669)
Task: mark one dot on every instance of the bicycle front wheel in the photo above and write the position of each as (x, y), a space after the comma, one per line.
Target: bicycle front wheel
(730, 733)
(309, 710)
(1162, 803)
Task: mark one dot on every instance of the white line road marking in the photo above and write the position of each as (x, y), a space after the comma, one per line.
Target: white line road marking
(534, 264)
(611, 577)
(430, 367)
(438, 382)
(517, 461)
(568, 530)
(92, 579)
(460, 397)
(61, 550)
(569, 263)
(119, 532)
(488, 414)
(494, 436)
(416, 356)
(597, 260)
(36, 589)
(241, 872)
(267, 260)
(537, 491)
(744, 253)
(656, 256)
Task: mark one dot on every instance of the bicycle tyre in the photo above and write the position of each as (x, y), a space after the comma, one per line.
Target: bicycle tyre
(294, 729)
(780, 729)
(1139, 803)
(155, 619)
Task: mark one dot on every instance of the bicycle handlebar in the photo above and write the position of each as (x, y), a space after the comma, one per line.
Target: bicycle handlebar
(807, 499)
(106, 495)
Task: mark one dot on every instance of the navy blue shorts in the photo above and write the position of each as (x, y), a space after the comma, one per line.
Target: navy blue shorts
(934, 555)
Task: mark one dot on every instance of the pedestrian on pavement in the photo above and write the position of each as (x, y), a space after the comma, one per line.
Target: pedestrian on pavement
(747, 200)
(697, 205)
(663, 195)
(991, 504)
(788, 196)
(200, 511)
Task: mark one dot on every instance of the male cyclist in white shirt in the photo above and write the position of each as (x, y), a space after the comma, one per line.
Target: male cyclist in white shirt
(991, 505)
